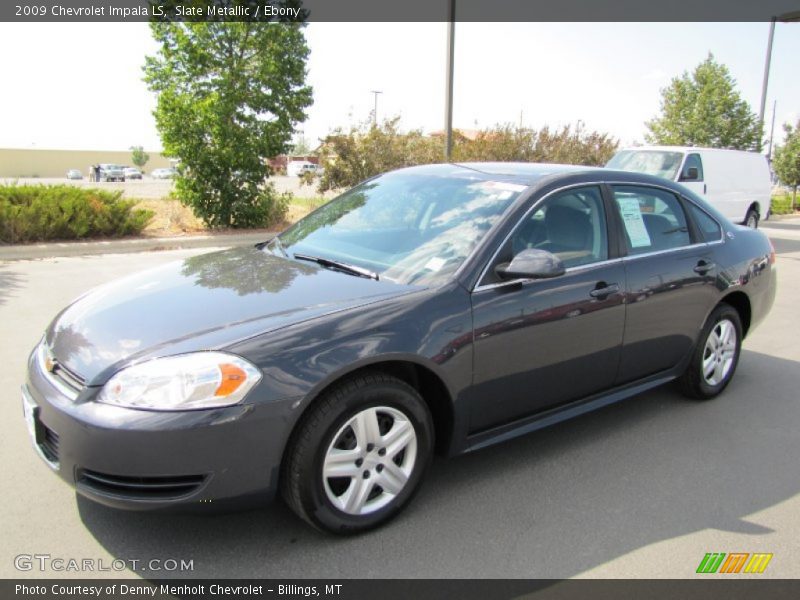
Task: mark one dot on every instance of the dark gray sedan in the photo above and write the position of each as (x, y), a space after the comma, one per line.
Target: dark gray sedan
(438, 308)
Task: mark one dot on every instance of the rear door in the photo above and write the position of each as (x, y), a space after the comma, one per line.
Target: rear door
(541, 343)
(670, 274)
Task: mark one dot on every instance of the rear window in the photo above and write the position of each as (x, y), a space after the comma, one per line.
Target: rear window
(709, 228)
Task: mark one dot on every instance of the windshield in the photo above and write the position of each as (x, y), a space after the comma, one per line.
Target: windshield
(410, 229)
(661, 163)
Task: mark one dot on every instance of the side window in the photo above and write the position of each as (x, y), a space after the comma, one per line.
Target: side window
(692, 168)
(709, 228)
(570, 224)
(652, 219)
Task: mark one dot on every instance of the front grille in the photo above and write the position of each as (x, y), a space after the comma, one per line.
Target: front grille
(67, 382)
(49, 444)
(68, 378)
(142, 488)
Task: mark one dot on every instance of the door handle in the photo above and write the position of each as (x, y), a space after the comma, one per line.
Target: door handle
(703, 267)
(602, 290)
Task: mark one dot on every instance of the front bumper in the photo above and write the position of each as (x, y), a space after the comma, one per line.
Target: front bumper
(144, 460)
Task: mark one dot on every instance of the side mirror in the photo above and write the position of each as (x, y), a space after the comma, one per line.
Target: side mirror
(532, 263)
(691, 174)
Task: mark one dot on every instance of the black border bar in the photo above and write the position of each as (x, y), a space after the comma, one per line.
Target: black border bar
(399, 10)
(706, 587)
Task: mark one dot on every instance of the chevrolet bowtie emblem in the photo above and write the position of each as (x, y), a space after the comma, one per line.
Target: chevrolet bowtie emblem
(49, 362)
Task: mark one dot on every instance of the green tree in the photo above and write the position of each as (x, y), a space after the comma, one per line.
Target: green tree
(365, 150)
(705, 109)
(229, 97)
(349, 157)
(787, 160)
(139, 157)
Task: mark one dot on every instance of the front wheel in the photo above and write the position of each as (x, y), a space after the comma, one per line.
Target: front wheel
(359, 455)
(716, 355)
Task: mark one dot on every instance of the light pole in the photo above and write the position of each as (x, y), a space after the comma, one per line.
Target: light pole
(375, 110)
(448, 102)
(784, 18)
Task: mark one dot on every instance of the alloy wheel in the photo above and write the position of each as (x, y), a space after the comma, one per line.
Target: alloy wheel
(719, 352)
(369, 461)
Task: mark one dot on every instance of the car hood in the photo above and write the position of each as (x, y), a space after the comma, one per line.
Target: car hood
(206, 301)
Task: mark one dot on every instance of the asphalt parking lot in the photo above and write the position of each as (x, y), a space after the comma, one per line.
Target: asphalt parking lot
(643, 488)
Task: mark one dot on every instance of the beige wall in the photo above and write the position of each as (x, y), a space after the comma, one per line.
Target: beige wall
(56, 163)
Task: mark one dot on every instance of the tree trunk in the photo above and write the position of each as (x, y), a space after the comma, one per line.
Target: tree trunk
(794, 197)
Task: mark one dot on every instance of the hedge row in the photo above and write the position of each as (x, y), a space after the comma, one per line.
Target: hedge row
(30, 213)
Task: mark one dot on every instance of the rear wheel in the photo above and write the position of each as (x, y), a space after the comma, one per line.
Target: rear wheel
(360, 454)
(751, 220)
(716, 356)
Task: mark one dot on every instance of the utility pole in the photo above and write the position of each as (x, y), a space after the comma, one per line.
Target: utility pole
(772, 131)
(765, 83)
(375, 110)
(448, 107)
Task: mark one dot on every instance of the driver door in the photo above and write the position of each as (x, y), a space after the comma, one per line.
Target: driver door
(541, 343)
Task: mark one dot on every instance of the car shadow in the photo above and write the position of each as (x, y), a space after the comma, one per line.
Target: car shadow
(784, 246)
(551, 504)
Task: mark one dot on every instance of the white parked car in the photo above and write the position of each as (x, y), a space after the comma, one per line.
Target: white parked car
(297, 167)
(163, 173)
(735, 182)
(132, 173)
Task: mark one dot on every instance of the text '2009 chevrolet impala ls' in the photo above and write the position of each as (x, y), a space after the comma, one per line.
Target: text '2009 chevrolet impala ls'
(438, 308)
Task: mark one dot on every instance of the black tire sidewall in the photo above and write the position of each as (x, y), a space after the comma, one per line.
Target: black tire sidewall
(312, 493)
(722, 312)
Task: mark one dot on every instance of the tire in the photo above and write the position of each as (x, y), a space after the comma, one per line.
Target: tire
(751, 219)
(713, 364)
(350, 421)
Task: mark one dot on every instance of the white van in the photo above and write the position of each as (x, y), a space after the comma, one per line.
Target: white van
(297, 167)
(736, 183)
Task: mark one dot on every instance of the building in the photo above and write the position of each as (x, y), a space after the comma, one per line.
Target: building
(33, 162)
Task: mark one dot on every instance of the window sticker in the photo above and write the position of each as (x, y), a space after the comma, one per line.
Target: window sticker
(634, 224)
(435, 264)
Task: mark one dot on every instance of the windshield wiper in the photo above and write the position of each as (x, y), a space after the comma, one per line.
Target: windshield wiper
(335, 264)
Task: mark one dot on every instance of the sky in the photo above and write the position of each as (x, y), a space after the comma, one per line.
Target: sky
(78, 86)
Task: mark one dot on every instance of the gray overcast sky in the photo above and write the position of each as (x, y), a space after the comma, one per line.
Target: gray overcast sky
(78, 86)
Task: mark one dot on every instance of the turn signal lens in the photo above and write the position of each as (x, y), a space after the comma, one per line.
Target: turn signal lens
(185, 382)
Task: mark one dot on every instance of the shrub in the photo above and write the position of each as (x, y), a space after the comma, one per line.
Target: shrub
(30, 213)
(781, 205)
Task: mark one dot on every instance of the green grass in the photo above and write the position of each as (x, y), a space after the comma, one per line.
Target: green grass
(781, 205)
(310, 203)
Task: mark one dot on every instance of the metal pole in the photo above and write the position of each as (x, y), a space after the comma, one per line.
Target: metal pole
(766, 75)
(448, 107)
(772, 130)
(375, 110)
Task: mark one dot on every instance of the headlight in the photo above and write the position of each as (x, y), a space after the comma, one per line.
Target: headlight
(184, 382)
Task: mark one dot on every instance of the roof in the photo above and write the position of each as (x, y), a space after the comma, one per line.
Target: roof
(524, 173)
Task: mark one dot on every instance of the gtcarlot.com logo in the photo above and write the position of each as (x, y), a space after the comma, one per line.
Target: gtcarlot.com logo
(734, 562)
(58, 564)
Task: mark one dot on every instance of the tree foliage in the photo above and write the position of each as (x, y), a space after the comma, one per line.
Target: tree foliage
(139, 157)
(787, 160)
(229, 97)
(366, 150)
(704, 108)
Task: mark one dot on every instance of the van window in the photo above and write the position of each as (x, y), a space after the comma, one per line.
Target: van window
(709, 228)
(661, 163)
(652, 219)
(693, 161)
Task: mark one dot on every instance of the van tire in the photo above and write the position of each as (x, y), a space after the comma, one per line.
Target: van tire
(751, 219)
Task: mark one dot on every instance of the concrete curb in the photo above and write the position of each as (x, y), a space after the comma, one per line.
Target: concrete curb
(61, 249)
